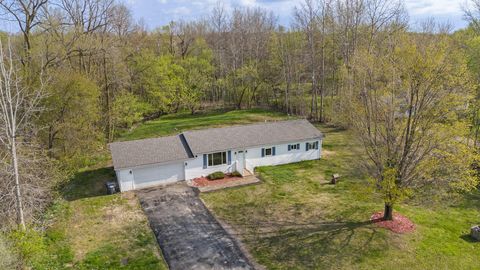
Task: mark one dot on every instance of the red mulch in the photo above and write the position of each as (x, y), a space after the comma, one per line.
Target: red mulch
(204, 181)
(399, 224)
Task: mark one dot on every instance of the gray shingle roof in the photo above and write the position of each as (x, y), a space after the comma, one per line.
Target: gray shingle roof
(182, 147)
(148, 151)
(234, 137)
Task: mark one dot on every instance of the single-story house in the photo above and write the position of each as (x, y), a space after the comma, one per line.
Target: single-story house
(191, 154)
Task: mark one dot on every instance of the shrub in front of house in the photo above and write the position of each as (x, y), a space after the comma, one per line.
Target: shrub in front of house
(236, 174)
(216, 175)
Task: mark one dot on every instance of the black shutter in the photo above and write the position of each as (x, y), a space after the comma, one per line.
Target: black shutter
(316, 145)
(204, 161)
(298, 146)
(229, 159)
(263, 152)
(306, 146)
(273, 151)
(289, 147)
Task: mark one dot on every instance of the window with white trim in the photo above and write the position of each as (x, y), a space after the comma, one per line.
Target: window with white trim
(215, 159)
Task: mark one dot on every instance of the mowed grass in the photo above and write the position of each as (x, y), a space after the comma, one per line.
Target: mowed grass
(176, 123)
(297, 220)
(91, 230)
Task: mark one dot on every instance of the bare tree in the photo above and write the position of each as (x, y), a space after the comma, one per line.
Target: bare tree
(18, 104)
(26, 14)
(471, 13)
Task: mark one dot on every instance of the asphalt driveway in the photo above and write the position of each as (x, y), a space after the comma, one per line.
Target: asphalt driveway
(189, 236)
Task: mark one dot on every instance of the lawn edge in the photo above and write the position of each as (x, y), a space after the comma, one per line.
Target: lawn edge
(234, 235)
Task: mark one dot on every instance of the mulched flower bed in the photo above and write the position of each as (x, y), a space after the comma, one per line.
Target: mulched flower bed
(204, 181)
(399, 224)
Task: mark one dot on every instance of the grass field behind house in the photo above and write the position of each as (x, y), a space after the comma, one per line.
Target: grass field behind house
(176, 123)
(294, 220)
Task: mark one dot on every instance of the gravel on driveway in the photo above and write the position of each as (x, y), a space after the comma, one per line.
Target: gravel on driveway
(188, 234)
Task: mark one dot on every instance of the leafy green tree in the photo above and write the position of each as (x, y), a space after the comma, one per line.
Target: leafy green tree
(198, 75)
(72, 116)
(244, 82)
(160, 80)
(128, 109)
(470, 38)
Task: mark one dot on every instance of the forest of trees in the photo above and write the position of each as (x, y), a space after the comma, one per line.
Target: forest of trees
(80, 72)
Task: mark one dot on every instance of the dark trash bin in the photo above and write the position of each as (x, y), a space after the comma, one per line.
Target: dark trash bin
(475, 232)
(111, 187)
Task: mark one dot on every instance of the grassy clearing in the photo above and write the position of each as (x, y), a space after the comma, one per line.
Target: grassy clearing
(296, 220)
(175, 123)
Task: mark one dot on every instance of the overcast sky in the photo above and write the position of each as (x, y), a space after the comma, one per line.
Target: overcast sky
(160, 12)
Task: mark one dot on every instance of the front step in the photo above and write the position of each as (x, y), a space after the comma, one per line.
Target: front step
(246, 173)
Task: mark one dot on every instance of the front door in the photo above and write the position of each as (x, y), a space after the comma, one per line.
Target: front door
(240, 161)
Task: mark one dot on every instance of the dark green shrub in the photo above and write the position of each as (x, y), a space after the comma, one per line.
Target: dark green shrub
(236, 174)
(216, 175)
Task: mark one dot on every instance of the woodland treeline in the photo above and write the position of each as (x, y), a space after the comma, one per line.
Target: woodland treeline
(90, 71)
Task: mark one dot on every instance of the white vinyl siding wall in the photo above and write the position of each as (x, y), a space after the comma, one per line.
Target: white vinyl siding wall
(193, 168)
(253, 156)
(151, 175)
(253, 159)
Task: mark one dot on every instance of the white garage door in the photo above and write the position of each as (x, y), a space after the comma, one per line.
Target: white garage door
(160, 174)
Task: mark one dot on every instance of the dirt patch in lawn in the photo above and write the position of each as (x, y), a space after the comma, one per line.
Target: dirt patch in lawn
(399, 224)
(327, 153)
(103, 220)
(119, 215)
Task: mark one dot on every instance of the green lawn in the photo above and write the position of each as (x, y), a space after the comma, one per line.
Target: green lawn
(296, 220)
(91, 230)
(176, 123)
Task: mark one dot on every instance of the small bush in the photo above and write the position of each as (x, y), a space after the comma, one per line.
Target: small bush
(236, 174)
(216, 175)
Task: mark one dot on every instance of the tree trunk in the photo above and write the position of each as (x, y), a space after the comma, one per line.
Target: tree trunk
(388, 214)
(18, 194)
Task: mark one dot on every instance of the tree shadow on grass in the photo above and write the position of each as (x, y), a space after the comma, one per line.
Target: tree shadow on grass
(85, 184)
(321, 245)
(471, 200)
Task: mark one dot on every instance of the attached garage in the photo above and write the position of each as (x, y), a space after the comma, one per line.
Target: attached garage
(157, 175)
(150, 162)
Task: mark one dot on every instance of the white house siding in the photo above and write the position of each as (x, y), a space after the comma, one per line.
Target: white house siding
(194, 167)
(125, 179)
(152, 175)
(158, 174)
(254, 157)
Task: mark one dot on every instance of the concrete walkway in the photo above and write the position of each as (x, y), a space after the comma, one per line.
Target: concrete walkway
(189, 236)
